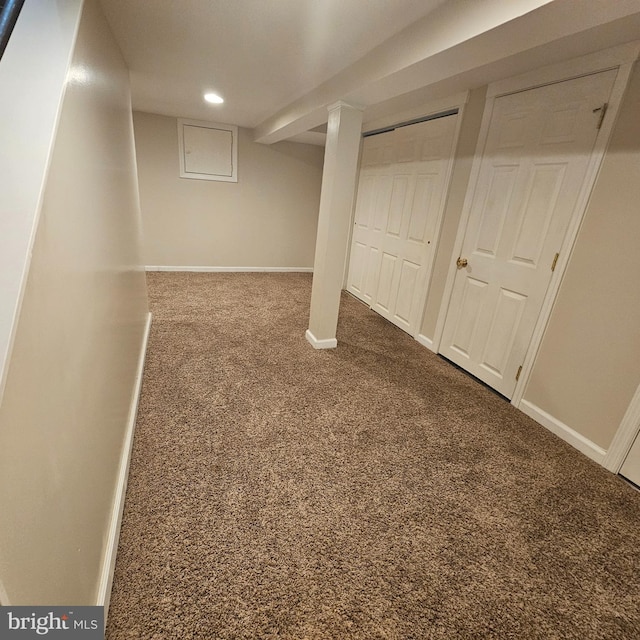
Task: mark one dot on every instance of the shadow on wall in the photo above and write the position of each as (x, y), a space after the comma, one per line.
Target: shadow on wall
(298, 151)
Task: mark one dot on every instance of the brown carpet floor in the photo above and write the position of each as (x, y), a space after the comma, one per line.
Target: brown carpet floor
(372, 491)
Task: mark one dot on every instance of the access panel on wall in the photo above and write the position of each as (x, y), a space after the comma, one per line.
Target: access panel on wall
(533, 169)
(400, 200)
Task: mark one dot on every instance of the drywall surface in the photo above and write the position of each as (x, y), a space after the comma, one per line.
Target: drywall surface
(32, 72)
(71, 375)
(267, 219)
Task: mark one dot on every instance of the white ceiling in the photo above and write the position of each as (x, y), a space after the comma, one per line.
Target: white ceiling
(258, 54)
(279, 63)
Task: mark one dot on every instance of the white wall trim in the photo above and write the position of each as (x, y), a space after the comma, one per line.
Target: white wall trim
(328, 343)
(111, 548)
(563, 431)
(4, 598)
(230, 269)
(427, 342)
(624, 436)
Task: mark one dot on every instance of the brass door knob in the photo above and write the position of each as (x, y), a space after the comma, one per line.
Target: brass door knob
(462, 262)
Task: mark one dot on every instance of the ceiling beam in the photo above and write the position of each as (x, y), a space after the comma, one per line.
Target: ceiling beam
(461, 44)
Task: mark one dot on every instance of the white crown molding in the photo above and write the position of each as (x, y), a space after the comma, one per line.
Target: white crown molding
(342, 104)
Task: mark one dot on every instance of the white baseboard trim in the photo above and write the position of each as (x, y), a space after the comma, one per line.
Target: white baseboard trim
(4, 598)
(113, 536)
(231, 269)
(329, 343)
(426, 342)
(575, 439)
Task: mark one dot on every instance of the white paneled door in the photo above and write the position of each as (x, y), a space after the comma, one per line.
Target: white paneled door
(532, 171)
(401, 193)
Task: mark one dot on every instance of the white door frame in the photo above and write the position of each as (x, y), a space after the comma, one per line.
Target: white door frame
(624, 436)
(444, 195)
(621, 57)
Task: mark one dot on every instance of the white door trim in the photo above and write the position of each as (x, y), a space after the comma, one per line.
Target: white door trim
(567, 70)
(347, 258)
(446, 183)
(621, 57)
(624, 436)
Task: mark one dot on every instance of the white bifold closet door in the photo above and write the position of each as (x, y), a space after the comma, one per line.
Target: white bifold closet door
(399, 206)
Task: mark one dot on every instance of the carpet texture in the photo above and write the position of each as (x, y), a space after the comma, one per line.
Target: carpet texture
(371, 491)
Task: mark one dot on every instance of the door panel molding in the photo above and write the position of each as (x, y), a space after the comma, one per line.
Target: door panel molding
(620, 58)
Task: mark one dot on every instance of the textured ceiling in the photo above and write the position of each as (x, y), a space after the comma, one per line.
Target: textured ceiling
(280, 63)
(258, 54)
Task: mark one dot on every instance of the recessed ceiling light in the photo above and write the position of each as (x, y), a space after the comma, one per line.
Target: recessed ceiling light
(213, 98)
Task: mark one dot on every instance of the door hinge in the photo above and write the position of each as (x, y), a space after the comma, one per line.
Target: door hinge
(603, 112)
(519, 372)
(555, 262)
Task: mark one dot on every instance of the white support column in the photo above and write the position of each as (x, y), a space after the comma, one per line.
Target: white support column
(336, 202)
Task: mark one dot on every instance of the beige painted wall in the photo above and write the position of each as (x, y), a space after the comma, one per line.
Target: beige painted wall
(588, 367)
(464, 154)
(267, 219)
(71, 375)
(32, 72)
